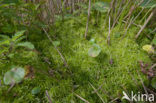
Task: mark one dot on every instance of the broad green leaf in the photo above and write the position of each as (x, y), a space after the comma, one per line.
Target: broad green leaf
(153, 83)
(35, 90)
(56, 43)
(15, 75)
(8, 77)
(28, 45)
(18, 35)
(101, 6)
(94, 51)
(4, 36)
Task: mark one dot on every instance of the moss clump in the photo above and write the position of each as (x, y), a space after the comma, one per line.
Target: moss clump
(83, 71)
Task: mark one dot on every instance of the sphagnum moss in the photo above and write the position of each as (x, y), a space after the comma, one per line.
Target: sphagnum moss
(83, 70)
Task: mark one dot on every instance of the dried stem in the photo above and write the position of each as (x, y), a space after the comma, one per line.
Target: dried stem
(81, 98)
(89, 7)
(108, 38)
(97, 93)
(62, 57)
(146, 22)
(11, 86)
(47, 94)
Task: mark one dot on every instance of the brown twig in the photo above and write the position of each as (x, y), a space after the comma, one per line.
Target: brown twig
(120, 13)
(0, 83)
(145, 89)
(146, 22)
(153, 66)
(128, 27)
(89, 7)
(153, 31)
(133, 24)
(132, 21)
(112, 101)
(81, 98)
(151, 91)
(62, 57)
(108, 37)
(98, 88)
(47, 94)
(11, 86)
(97, 93)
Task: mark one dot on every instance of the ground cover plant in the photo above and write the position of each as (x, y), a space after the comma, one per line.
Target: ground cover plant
(78, 51)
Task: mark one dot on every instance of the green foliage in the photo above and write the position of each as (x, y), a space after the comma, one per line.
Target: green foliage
(92, 41)
(26, 44)
(101, 6)
(61, 82)
(154, 40)
(8, 43)
(56, 43)
(98, 71)
(10, 1)
(17, 15)
(94, 51)
(117, 35)
(35, 90)
(148, 4)
(18, 36)
(153, 83)
(15, 75)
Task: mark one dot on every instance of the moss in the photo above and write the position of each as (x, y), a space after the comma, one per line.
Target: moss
(82, 69)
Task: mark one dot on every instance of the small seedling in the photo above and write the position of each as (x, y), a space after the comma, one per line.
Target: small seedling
(10, 44)
(56, 43)
(95, 50)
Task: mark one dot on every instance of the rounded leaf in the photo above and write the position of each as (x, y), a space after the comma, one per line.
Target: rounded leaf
(8, 78)
(15, 75)
(94, 51)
